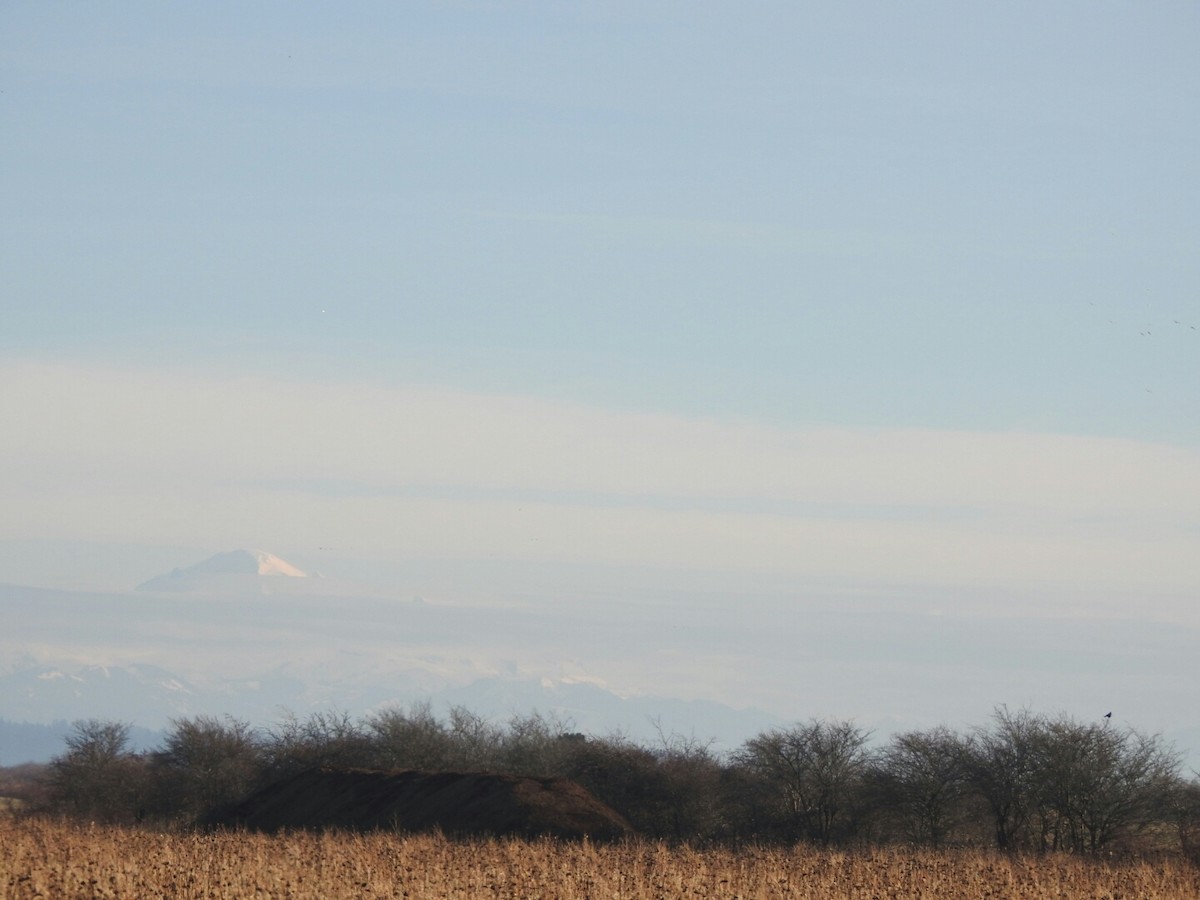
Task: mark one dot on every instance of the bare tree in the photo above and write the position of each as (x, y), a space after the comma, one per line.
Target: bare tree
(815, 771)
(1058, 784)
(1102, 782)
(98, 777)
(921, 779)
(692, 775)
(1003, 769)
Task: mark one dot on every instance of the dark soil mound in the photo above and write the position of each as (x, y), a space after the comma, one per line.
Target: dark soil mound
(456, 803)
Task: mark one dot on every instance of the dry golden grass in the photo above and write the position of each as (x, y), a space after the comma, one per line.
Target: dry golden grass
(40, 858)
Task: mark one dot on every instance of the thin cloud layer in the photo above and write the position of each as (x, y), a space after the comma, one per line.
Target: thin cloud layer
(160, 456)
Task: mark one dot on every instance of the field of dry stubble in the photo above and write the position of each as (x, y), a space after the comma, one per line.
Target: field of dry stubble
(41, 858)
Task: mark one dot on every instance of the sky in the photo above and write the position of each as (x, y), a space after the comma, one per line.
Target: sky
(875, 306)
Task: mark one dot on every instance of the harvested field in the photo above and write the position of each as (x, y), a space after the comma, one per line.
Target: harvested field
(40, 858)
(454, 803)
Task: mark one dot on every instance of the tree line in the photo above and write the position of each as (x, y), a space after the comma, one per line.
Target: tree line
(1025, 782)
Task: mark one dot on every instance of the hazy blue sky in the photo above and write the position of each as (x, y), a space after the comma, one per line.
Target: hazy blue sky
(901, 298)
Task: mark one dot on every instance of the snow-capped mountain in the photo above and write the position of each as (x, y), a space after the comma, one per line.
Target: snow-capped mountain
(225, 570)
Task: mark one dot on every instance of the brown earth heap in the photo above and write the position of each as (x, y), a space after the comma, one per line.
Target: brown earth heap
(456, 803)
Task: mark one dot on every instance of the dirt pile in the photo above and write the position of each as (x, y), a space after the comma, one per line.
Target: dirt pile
(457, 803)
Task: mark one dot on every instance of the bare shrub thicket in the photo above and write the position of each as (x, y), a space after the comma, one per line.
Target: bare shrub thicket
(206, 763)
(1024, 782)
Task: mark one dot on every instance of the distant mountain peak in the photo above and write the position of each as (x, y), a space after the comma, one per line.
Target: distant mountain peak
(245, 562)
(232, 563)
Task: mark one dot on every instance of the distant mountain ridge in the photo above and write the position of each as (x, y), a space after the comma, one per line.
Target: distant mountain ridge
(240, 564)
(150, 696)
(135, 693)
(315, 646)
